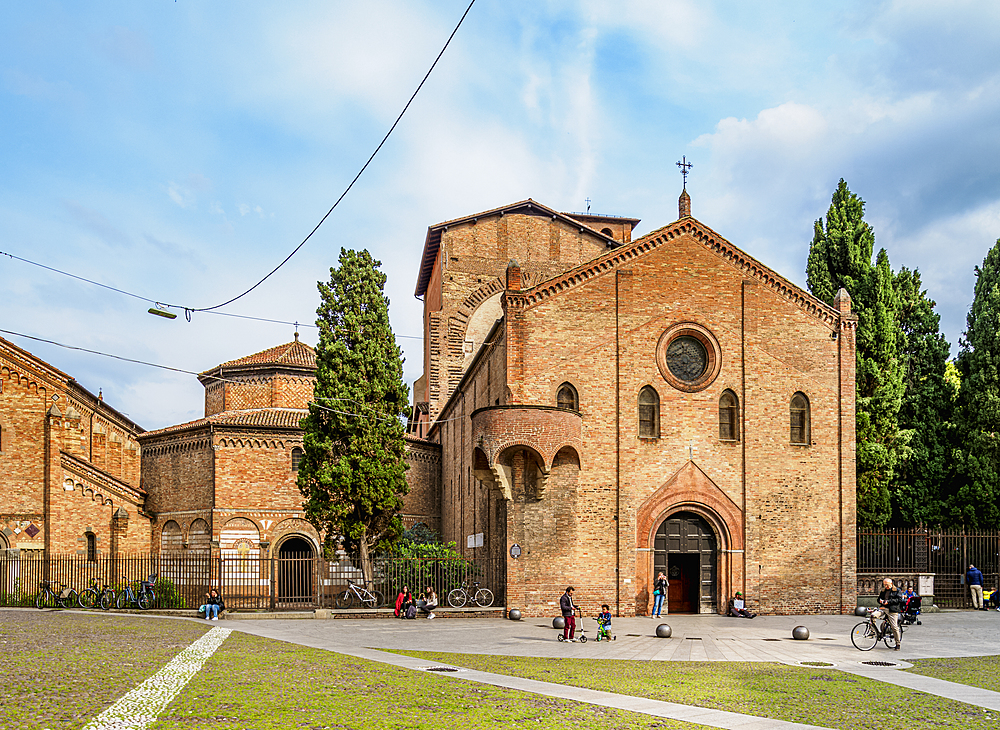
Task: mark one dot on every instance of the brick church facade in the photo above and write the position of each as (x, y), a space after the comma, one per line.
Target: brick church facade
(69, 465)
(607, 408)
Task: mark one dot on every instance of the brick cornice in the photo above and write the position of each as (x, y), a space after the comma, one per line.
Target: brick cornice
(712, 241)
(85, 470)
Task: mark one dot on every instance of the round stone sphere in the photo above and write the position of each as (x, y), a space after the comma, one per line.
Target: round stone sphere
(860, 611)
(514, 614)
(663, 631)
(559, 622)
(800, 632)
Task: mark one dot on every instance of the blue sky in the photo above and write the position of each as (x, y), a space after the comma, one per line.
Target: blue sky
(180, 150)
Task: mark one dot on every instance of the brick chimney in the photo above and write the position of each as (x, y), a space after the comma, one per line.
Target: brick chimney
(684, 205)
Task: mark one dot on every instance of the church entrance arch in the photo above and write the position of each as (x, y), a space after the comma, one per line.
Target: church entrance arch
(296, 564)
(685, 549)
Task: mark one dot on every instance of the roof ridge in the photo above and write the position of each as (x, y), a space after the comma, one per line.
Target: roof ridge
(710, 239)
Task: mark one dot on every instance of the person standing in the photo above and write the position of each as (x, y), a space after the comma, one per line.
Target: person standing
(890, 600)
(660, 586)
(974, 578)
(568, 609)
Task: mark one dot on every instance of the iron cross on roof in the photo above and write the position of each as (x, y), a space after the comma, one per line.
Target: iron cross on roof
(685, 168)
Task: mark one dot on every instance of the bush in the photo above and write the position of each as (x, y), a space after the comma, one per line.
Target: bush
(167, 595)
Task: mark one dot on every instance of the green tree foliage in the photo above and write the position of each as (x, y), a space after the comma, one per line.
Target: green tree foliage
(353, 473)
(841, 256)
(925, 480)
(976, 500)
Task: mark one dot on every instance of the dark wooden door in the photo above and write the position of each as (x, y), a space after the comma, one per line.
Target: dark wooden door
(684, 549)
(683, 571)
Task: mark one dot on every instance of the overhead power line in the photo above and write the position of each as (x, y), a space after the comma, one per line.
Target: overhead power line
(351, 184)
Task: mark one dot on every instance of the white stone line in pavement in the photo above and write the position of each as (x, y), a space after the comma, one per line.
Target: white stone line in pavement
(140, 707)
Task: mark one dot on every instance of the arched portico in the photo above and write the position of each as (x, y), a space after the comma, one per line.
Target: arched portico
(695, 500)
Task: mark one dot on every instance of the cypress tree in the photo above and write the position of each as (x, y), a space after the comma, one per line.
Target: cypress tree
(975, 504)
(841, 256)
(352, 474)
(926, 478)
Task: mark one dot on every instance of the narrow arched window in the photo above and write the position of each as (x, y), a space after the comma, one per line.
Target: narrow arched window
(566, 397)
(91, 547)
(729, 417)
(649, 413)
(799, 418)
(297, 455)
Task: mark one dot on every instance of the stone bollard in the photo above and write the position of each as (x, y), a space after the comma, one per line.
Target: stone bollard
(801, 633)
(514, 614)
(559, 622)
(663, 631)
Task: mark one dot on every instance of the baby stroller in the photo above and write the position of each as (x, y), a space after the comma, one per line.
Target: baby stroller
(911, 612)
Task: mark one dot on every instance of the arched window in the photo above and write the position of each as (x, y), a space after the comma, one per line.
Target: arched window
(649, 413)
(566, 397)
(297, 455)
(729, 417)
(91, 547)
(799, 419)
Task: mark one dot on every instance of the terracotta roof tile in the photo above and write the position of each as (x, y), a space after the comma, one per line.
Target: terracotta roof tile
(294, 353)
(256, 418)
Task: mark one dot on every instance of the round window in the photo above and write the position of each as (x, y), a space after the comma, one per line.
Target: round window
(687, 359)
(688, 356)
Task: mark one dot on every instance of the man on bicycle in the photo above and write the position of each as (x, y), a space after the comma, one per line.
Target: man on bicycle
(890, 600)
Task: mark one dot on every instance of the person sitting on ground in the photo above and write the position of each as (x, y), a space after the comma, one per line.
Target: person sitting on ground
(403, 601)
(737, 607)
(430, 602)
(212, 606)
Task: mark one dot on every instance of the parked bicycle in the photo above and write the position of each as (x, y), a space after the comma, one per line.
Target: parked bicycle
(868, 633)
(356, 594)
(52, 594)
(470, 593)
(97, 596)
(142, 599)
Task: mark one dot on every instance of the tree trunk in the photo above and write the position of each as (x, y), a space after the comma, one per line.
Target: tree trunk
(366, 560)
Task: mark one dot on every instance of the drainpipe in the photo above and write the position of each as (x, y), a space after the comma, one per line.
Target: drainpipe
(618, 458)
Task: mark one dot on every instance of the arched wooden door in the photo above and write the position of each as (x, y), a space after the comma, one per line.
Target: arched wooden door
(685, 549)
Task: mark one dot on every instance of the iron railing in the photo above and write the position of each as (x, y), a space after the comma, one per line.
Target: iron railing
(246, 581)
(944, 554)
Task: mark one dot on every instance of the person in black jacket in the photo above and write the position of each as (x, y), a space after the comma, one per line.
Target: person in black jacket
(213, 605)
(568, 610)
(890, 600)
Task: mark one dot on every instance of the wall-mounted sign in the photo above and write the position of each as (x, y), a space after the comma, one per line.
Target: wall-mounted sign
(475, 541)
(515, 551)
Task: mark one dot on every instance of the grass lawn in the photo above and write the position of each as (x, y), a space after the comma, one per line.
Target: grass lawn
(252, 682)
(823, 697)
(60, 669)
(976, 671)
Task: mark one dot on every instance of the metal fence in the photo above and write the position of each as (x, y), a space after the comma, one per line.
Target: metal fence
(247, 582)
(944, 554)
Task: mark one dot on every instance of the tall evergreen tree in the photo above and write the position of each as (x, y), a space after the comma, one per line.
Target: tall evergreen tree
(976, 501)
(353, 473)
(925, 480)
(841, 256)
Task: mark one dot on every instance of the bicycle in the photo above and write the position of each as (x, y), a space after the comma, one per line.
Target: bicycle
(470, 592)
(96, 596)
(49, 598)
(359, 594)
(868, 633)
(142, 599)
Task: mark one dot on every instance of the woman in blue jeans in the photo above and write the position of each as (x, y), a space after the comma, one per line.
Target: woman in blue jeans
(660, 586)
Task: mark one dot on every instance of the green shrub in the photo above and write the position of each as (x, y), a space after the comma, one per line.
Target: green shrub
(167, 595)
